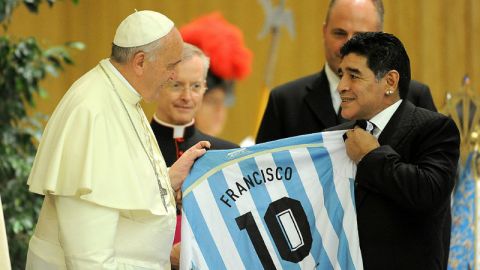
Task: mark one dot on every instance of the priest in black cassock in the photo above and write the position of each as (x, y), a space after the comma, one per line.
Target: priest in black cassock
(173, 122)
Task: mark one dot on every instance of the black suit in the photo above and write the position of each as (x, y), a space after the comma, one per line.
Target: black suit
(305, 106)
(403, 191)
(192, 135)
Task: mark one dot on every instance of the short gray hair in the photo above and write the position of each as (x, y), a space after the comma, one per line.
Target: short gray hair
(190, 51)
(124, 54)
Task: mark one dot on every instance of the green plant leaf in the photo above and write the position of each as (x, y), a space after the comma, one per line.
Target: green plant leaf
(75, 45)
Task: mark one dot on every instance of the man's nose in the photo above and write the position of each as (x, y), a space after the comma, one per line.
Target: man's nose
(186, 93)
(342, 86)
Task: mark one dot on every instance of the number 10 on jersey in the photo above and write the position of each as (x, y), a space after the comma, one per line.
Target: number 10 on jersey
(288, 226)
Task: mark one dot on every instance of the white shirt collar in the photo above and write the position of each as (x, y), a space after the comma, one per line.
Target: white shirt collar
(381, 119)
(120, 76)
(178, 130)
(333, 81)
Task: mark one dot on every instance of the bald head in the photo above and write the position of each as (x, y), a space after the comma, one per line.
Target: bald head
(377, 4)
(346, 18)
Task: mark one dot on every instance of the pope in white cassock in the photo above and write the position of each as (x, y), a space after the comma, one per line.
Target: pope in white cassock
(109, 199)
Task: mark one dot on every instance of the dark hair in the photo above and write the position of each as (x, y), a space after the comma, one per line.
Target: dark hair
(384, 52)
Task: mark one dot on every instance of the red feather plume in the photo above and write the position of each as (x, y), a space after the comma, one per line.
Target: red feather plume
(223, 42)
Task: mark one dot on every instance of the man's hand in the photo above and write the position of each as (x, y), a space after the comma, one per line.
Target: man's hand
(180, 169)
(359, 143)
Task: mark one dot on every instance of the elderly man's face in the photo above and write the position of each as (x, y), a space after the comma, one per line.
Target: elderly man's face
(162, 70)
(180, 99)
(362, 95)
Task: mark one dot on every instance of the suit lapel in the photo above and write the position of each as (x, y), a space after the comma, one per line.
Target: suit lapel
(398, 126)
(319, 100)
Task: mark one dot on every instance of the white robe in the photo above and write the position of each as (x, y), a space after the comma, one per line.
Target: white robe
(90, 151)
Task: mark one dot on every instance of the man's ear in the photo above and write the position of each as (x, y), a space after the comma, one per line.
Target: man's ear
(138, 62)
(392, 78)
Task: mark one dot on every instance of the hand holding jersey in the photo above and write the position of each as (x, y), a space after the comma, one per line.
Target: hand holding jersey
(359, 142)
(181, 168)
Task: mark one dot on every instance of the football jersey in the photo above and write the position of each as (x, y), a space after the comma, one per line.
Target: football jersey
(285, 204)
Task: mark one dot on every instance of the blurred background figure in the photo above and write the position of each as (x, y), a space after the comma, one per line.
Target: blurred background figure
(230, 60)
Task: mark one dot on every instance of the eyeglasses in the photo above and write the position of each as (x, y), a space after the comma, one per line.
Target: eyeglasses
(195, 87)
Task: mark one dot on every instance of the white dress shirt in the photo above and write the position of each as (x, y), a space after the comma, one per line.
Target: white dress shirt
(381, 119)
(333, 81)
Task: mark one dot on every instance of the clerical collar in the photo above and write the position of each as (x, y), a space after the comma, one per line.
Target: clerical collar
(333, 81)
(381, 119)
(120, 77)
(178, 130)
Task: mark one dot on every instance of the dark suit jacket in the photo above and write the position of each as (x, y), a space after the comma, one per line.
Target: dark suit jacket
(192, 135)
(402, 191)
(305, 106)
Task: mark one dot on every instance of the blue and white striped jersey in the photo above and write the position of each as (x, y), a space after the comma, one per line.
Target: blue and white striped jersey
(286, 204)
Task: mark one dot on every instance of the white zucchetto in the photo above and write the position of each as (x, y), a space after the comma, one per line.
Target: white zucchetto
(141, 28)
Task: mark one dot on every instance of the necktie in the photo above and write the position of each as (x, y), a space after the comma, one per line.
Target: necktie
(366, 125)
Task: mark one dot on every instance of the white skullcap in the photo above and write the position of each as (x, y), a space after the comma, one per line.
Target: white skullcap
(141, 28)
